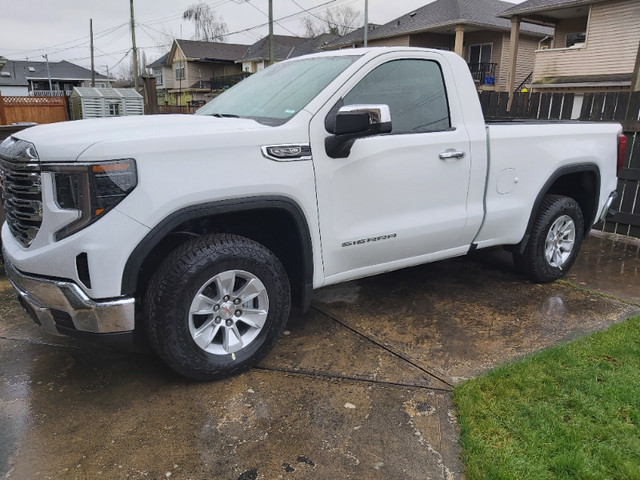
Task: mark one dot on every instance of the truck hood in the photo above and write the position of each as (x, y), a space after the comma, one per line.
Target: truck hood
(65, 141)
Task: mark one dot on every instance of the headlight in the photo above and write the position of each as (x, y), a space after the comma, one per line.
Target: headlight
(93, 189)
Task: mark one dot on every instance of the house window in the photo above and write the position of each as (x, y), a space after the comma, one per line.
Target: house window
(157, 72)
(577, 39)
(480, 53)
(180, 71)
(113, 109)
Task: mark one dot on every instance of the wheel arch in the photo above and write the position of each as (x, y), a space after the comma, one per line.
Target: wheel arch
(580, 182)
(276, 222)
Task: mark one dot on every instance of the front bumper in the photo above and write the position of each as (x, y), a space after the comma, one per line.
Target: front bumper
(61, 306)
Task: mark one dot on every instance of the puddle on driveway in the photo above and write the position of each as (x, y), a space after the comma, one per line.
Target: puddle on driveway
(110, 415)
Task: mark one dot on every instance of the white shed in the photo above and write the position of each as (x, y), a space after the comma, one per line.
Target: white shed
(88, 102)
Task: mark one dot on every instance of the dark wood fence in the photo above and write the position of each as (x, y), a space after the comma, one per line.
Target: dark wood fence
(33, 109)
(621, 107)
(167, 109)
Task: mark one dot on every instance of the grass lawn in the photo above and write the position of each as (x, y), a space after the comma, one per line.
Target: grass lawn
(571, 411)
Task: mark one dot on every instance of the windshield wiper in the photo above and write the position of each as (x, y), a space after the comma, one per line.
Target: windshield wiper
(224, 115)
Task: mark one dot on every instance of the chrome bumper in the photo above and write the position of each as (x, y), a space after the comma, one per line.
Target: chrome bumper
(55, 304)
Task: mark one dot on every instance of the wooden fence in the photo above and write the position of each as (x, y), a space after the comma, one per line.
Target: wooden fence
(167, 109)
(621, 107)
(33, 109)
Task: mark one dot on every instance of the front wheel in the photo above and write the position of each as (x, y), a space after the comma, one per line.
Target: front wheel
(555, 239)
(216, 306)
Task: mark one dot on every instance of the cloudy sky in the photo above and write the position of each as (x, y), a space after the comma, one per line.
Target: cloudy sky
(33, 28)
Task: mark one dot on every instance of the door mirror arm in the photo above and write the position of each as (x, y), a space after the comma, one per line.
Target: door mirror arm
(356, 121)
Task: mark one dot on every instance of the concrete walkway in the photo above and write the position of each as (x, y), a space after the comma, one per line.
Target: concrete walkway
(357, 388)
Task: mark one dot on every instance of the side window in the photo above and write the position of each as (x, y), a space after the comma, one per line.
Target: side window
(414, 91)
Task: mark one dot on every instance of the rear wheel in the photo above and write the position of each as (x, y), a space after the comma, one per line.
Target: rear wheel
(216, 306)
(555, 239)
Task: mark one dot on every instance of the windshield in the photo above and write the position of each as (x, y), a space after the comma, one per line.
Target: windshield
(277, 93)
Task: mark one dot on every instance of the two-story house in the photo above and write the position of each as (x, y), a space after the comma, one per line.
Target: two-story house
(595, 44)
(471, 28)
(186, 73)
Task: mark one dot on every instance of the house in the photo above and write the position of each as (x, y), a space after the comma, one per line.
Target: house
(595, 43)
(185, 74)
(256, 57)
(471, 28)
(26, 77)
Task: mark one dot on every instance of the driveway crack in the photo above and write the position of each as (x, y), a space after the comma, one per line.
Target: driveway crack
(429, 371)
(331, 376)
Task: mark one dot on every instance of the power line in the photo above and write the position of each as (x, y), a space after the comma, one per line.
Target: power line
(275, 21)
(84, 41)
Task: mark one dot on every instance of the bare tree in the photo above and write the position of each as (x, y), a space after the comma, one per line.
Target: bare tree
(311, 28)
(209, 27)
(337, 21)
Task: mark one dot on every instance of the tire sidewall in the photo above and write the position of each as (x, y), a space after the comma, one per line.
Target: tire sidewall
(178, 347)
(543, 270)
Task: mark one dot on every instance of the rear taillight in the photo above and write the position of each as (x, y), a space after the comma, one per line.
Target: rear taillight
(622, 150)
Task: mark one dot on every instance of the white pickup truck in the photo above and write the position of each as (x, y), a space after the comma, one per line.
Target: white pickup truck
(201, 231)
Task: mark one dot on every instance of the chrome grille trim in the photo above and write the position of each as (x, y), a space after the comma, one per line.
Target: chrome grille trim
(21, 193)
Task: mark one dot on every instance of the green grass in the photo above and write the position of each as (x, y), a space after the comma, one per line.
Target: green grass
(569, 412)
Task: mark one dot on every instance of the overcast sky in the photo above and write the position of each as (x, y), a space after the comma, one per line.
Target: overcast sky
(32, 28)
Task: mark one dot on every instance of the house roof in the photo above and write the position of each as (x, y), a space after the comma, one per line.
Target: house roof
(211, 51)
(286, 47)
(162, 61)
(21, 71)
(539, 6)
(443, 15)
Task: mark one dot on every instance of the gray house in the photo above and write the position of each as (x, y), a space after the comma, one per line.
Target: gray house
(22, 77)
(257, 55)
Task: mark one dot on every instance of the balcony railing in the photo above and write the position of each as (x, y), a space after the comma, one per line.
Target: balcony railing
(228, 81)
(483, 73)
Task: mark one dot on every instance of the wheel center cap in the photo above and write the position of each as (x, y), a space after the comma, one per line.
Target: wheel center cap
(226, 310)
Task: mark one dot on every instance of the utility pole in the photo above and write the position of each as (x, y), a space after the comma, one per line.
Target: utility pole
(366, 22)
(108, 77)
(46, 57)
(93, 70)
(135, 49)
(271, 45)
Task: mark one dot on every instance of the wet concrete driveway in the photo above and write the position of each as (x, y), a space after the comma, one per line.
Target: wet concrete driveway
(357, 388)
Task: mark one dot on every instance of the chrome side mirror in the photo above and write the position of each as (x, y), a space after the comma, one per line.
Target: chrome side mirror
(357, 121)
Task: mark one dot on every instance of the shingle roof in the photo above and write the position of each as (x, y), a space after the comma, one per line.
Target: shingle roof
(20, 71)
(287, 47)
(283, 48)
(535, 6)
(195, 49)
(159, 62)
(444, 13)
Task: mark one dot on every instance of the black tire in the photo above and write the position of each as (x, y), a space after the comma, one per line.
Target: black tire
(199, 268)
(565, 214)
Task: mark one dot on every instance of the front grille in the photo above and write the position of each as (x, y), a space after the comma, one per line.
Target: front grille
(21, 197)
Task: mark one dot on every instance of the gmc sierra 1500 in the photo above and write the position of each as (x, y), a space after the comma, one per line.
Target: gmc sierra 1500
(201, 231)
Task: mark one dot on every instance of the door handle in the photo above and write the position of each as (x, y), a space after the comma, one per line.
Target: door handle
(451, 154)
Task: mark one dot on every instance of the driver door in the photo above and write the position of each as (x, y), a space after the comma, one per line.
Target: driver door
(397, 198)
